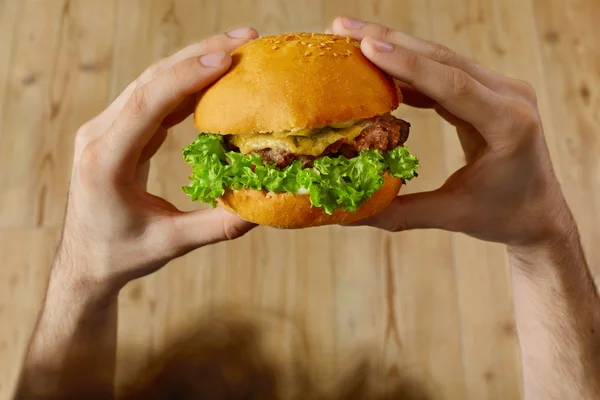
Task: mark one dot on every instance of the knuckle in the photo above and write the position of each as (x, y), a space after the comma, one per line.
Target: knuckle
(386, 32)
(441, 53)
(178, 73)
(89, 163)
(84, 132)
(148, 74)
(152, 70)
(460, 82)
(84, 135)
(181, 75)
(412, 62)
(525, 117)
(523, 122)
(400, 224)
(232, 230)
(527, 91)
(137, 102)
(394, 219)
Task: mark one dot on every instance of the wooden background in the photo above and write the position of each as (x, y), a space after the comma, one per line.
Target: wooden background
(342, 313)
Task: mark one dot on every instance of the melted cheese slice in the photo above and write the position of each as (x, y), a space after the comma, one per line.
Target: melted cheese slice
(295, 143)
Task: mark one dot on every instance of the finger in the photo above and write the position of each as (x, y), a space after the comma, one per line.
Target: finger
(227, 42)
(471, 141)
(450, 87)
(414, 98)
(410, 95)
(154, 144)
(356, 29)
(195, 229)
(180, 113)
(438, 209)
(142, 173)
(150, 104)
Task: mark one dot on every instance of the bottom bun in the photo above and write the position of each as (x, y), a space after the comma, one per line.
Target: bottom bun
(286, 211)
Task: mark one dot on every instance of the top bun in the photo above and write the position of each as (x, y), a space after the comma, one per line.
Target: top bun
(294, 81)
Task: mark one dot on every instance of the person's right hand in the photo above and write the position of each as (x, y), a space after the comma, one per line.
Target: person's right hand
(508, 191)
(115, 230)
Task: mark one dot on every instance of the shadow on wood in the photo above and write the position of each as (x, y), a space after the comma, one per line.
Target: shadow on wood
(225, 358)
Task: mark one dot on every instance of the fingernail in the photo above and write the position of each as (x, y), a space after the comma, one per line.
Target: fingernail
(239, 33)
(381, 46)
(212, 59)
(352, 23)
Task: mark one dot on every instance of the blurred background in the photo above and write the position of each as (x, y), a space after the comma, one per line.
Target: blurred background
(317, 313)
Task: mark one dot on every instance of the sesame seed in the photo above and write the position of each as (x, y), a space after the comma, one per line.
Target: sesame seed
(310, 45)
(335, 54)
(327, 48)
(308, 53)
(277, 41)
(275, 47)
(321, 53)
(347, 39)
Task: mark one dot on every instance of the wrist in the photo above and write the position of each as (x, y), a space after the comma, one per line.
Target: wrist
(554, 223)
(68, 289)
(559, 256)
(76, 328)
(76, 276)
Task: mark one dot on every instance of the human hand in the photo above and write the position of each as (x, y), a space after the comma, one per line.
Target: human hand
(508, 191)
(116, 231)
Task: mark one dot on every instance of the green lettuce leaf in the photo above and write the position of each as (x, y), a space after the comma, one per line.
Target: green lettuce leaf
(332, 183)
(401, 163)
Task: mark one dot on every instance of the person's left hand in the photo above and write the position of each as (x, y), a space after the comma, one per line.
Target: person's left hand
(116, 231)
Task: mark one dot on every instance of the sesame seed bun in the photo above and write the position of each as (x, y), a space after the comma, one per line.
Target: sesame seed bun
(294, 81)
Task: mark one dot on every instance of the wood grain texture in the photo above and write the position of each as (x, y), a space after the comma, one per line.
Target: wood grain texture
(21, 295)
(570, 65)
(57, 80)
(482, 276)
(9, 16)
(332, 312)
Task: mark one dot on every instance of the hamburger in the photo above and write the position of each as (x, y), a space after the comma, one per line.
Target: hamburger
(299, 133)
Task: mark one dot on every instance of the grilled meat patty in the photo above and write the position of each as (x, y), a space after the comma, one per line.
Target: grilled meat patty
(382, 133)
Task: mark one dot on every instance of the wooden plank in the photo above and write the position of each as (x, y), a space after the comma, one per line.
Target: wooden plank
(26, 113)
(313, 305)
(489, 343)
(422, 277)
(9, 20)
(272, 16)
(23, 274)
(390, 322)
(570, 60)
(141, 308)
(53, 90)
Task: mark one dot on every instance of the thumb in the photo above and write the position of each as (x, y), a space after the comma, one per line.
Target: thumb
(437, 209)
(200, 228)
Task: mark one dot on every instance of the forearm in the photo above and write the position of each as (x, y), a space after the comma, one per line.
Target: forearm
(558, 320)
(72, 351)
